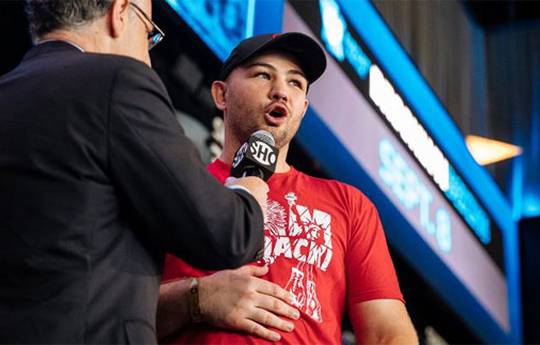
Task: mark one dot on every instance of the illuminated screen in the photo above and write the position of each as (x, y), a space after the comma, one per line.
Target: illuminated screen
(358, 103)
(221, 24)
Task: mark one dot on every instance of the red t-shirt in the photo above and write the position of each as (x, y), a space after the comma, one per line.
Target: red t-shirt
(323, 242)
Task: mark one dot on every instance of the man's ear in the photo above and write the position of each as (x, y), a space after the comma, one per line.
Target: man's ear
(306, 104)
(118, 14)
(219, 89)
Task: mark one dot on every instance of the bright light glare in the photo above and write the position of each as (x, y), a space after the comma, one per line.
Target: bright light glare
(487, 151)
(405, 123)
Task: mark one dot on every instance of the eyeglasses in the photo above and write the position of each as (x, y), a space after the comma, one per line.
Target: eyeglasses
(156, 35)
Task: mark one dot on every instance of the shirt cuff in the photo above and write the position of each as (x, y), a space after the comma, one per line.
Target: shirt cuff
(240, 188)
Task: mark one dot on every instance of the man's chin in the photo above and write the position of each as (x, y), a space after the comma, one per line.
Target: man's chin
(277, 133)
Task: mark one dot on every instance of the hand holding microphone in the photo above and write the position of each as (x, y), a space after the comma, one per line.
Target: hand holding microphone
(253, 164)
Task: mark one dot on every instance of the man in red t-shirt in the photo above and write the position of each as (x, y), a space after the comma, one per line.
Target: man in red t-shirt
(325, 251)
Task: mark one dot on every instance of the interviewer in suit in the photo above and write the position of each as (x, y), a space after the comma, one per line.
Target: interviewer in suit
(97, 181)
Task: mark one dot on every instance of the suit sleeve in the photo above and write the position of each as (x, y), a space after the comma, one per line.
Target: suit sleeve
(175, 202)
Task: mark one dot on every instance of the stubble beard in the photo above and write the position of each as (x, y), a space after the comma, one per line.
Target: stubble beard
(244, 125)
(280, 134)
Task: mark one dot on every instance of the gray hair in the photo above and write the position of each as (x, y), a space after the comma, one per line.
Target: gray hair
(46, 16)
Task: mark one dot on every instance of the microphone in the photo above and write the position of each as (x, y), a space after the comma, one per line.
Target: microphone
(256, 157)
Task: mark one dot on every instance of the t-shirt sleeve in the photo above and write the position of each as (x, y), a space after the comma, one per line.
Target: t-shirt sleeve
(370, 271)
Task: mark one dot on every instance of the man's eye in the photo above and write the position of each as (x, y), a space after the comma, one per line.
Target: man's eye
(297, 83)
(263, 75)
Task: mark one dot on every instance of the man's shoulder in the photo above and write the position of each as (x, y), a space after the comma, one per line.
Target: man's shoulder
(89, 70)
(326, 182)
(337, 187)
(115, 72)
(112, 64)
(63, 60)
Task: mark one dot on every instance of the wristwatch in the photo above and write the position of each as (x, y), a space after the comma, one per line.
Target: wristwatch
(194, 308)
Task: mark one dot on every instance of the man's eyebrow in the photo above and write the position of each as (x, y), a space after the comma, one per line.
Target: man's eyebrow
(298, 72)
(264, 64)
(260, 64)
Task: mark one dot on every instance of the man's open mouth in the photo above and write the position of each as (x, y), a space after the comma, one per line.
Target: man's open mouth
(278, 111)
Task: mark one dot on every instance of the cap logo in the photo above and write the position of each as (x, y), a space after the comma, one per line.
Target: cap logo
(275, 35)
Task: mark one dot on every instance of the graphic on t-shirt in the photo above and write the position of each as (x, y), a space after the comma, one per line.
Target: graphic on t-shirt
(303, 235)
(276, 221)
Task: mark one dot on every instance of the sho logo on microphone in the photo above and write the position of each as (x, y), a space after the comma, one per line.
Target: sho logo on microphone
(257, 157)
(239, 155)
(262, 153)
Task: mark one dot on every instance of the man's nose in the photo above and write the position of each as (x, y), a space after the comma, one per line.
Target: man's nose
(279, 90)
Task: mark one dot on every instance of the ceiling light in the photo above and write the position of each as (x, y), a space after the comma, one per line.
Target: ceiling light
(486, 151)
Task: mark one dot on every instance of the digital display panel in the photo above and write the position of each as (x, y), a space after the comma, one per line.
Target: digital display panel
(358, 102)
(367, 76)
(221, 24)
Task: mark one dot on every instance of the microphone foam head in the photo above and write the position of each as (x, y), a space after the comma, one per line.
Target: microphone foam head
(265, 136)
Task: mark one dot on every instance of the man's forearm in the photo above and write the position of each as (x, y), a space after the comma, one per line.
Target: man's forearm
(236, 300)
(403, 336)
(382, 321)
(173, 308)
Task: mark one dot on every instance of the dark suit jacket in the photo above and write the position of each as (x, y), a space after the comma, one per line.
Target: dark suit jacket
(97, 181)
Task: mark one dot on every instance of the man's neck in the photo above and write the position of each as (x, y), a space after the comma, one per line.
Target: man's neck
(88, 40)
